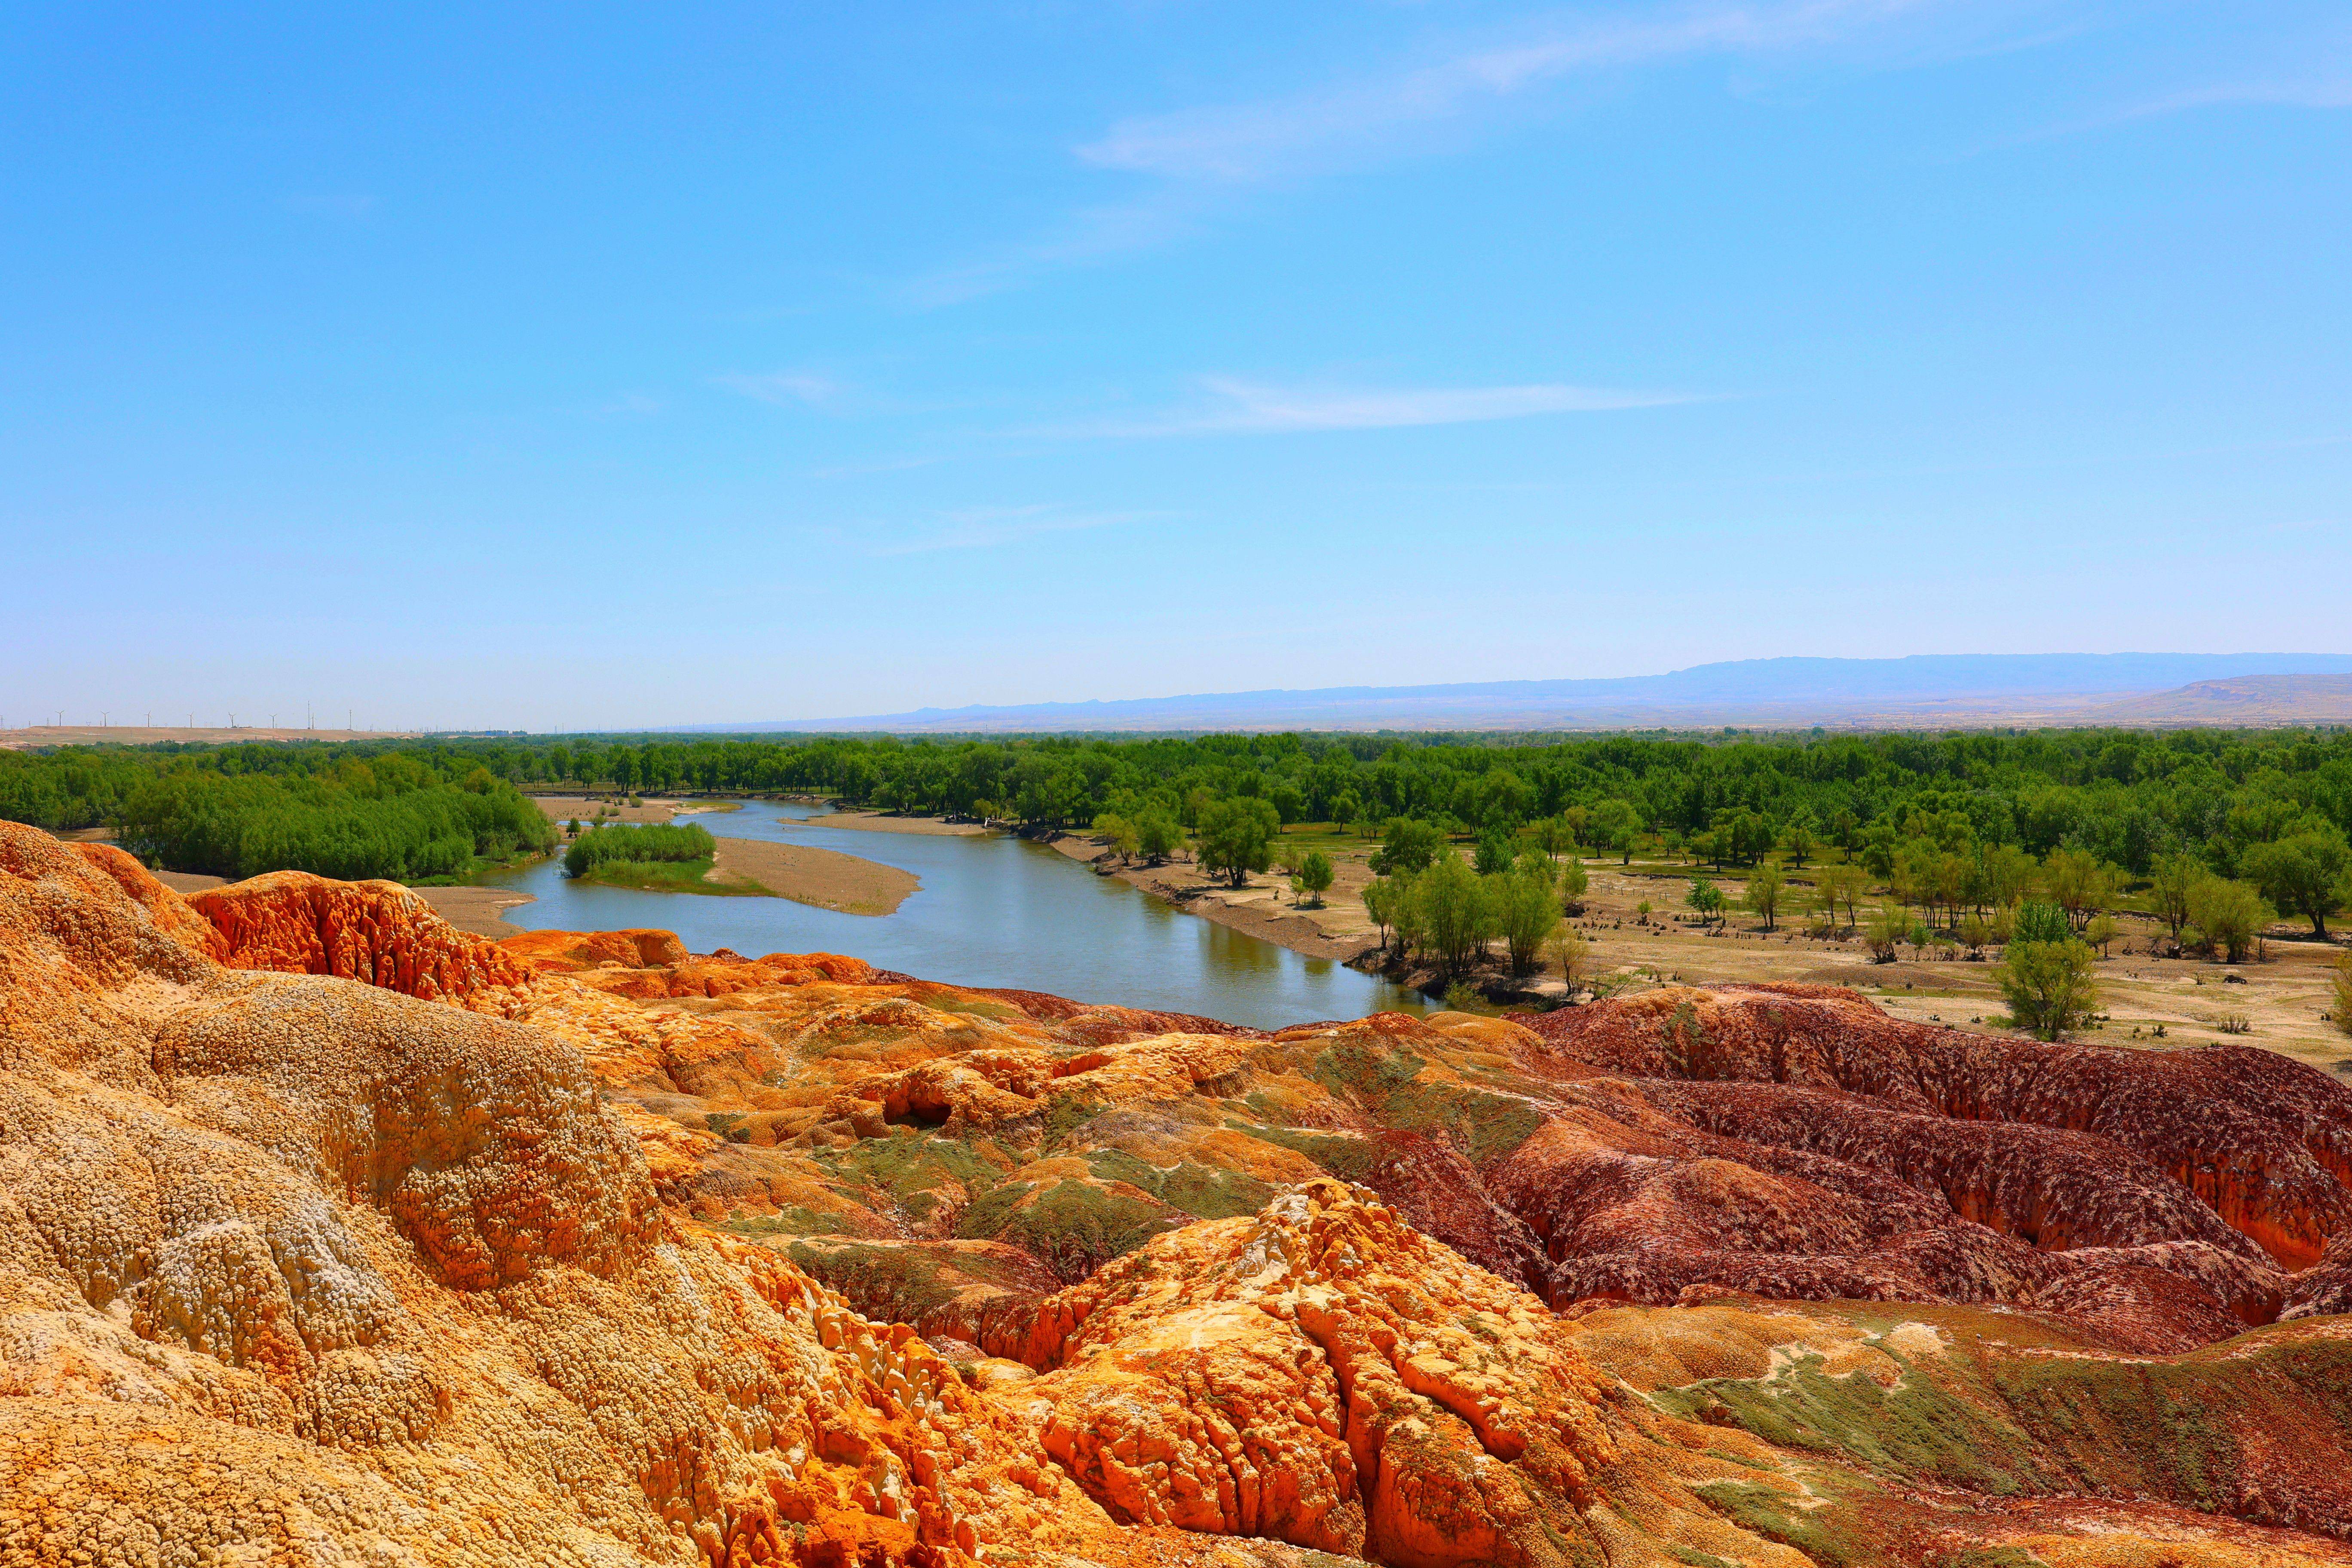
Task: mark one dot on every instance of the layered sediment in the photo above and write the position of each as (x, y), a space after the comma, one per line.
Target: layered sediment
(331, 1233)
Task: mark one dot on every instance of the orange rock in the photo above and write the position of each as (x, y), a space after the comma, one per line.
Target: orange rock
(379, 933)
(562, 951)
(298, 1269)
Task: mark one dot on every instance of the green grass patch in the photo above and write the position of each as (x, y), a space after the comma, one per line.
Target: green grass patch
(1073, 1229)
(913, 1169)
(1204, 1192)
(1349, 1159)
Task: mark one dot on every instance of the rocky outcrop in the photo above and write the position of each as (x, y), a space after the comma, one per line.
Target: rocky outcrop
(299, 1261)
(2265, 1142)
(379, 932)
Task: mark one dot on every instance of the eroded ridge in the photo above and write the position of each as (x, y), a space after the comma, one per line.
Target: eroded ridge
(329, 1233)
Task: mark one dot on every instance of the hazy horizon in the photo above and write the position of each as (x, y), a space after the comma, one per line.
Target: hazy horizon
(638, 368)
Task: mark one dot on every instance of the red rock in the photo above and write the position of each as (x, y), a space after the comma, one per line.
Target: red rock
(379, 932)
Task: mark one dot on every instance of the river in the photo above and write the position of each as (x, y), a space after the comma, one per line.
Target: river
(994, 909)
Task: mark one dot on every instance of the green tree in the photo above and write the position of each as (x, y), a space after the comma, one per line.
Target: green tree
(1158, 834)
(1571, 953)
(1839, 885)
(1525, 913)
(2341, 1014)
(1314, 875)
(1408, 845)
(1888, 926)
(1705, 897)
(2100, 932)
(1493, 856)
(2050, 985)
(2302, 873)
(2009, 873)
(1574, 882)
(1762, 894)
(1800, 842)
(1124, 837)
(1551, 834)
(1616, 824)
(1237, 838)
(1452, 904)
(2077, 882)
(1383, 898)
(2228, 915)
(2172, 878)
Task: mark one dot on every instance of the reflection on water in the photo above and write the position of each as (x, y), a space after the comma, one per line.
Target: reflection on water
(992, 911)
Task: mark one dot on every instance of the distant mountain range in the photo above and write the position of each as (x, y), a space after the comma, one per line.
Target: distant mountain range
(1925, 690)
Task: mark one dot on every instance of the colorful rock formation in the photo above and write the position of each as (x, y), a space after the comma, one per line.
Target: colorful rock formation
(329, 1233)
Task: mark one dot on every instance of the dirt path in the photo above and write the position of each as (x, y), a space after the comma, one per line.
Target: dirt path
(825, 878)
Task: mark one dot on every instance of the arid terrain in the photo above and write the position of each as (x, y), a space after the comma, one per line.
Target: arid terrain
(2280, 1000)
(333, 1234)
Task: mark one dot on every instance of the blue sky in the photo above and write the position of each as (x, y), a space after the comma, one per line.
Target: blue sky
(616, 365)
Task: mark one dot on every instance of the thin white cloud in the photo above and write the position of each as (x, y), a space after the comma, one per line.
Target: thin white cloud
(988, 527)
(2326, 92)
(1240, 408)
(1241, 143)
(788, 387)
(1201, 158)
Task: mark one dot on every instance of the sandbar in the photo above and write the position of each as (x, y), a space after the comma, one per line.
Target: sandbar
(566, 807)
(889, 822)
(823, 878)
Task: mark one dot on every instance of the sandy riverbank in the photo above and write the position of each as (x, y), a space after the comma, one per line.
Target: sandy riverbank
(566, 807)
(1263, 908)
(887, 821)
(825, 878)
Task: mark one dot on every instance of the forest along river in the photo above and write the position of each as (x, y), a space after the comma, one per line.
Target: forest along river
(994, 909)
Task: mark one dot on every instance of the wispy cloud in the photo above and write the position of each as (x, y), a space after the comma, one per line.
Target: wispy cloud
(1253, 141)
(988, 527)
(1240, 408)
(2332, 91)
(1199, 159)
(784, 386)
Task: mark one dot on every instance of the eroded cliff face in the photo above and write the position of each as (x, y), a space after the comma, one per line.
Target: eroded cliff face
(331, 1235)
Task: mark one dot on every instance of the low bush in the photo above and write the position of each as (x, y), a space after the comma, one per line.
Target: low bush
(653, 842)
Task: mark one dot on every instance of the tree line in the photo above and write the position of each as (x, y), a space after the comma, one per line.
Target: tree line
(1930, 808)
(391, 819)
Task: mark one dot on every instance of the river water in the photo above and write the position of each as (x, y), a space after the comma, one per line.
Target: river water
(992, 909)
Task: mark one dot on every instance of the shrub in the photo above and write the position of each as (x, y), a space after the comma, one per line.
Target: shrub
(2229, 916)
(1525, 913)
(1314, 878)
(1887, 927)
(1573, 954)
(672, 842)
(1453, 909)
(2048, 984)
